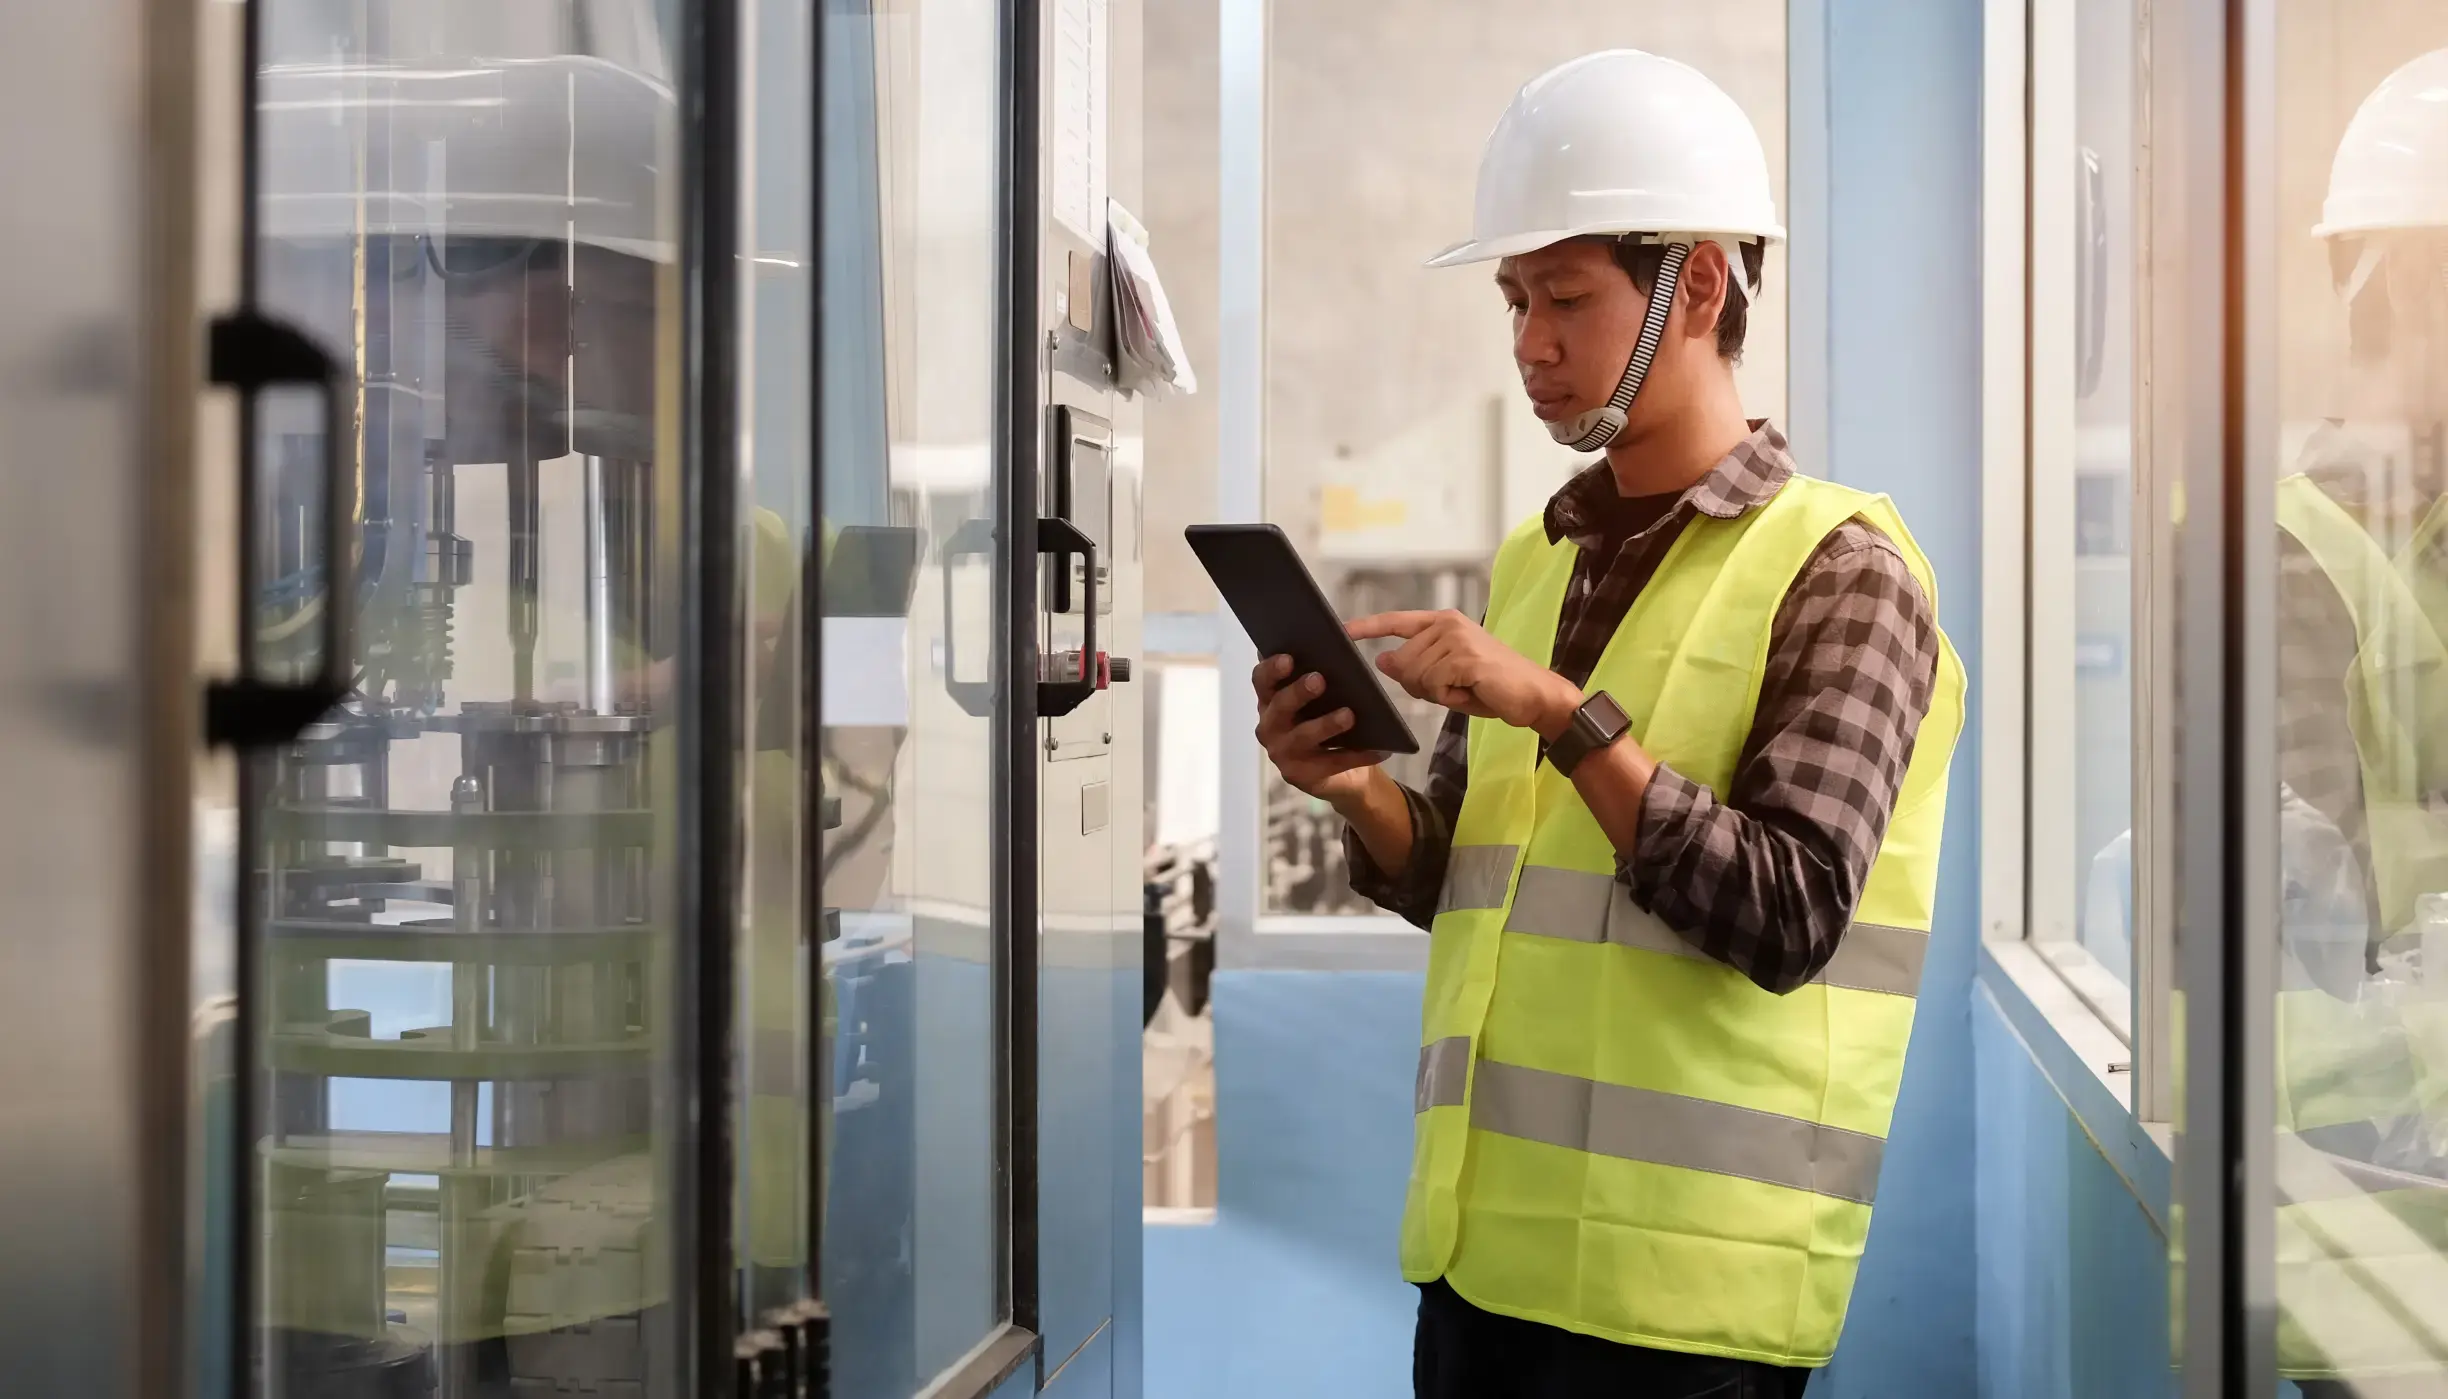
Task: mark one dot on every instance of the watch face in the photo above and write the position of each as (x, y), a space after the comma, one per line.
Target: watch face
(1605, 716)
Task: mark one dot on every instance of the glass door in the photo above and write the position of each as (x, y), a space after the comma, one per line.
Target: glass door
(462, 942)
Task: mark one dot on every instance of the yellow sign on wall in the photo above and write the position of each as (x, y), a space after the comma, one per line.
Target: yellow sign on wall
(1343, 510)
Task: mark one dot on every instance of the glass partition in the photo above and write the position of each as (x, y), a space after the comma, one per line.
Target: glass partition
(914, 1261)
(465, 885)
(782, 930)
(2356, 291)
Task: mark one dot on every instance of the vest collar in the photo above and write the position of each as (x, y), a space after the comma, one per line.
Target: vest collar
(1742, 481)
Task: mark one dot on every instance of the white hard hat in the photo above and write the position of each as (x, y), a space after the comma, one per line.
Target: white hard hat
(2391, 169)
(1614, 143)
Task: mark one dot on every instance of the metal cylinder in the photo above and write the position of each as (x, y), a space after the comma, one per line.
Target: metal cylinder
(601, 697)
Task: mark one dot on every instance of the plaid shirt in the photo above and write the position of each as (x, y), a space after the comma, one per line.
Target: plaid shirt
(1765, 876)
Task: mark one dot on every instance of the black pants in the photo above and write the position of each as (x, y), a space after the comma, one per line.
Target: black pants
(1461, 1352)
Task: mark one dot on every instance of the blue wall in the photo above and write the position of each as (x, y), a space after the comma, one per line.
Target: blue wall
(2073, 1280)
(1903, 86)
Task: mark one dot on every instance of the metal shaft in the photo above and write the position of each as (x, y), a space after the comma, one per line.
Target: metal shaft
(600, 694)
(523, 578)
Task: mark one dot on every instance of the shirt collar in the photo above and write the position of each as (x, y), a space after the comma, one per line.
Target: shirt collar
(1741, 481)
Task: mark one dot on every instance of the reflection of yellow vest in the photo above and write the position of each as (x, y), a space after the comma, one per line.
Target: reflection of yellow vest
(2361, 1256)
(2336, 1064)
(2396, 694)
(1615, 1134)
(773, 1134)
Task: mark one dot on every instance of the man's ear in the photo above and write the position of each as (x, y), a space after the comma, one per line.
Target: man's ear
(1703, 289)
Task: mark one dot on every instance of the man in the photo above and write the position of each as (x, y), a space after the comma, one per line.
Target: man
(1679, 844)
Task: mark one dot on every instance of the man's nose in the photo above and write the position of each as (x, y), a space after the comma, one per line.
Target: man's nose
(1535, 342)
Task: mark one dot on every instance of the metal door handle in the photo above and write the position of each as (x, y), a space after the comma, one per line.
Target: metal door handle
(1055, 698)
(250, 352)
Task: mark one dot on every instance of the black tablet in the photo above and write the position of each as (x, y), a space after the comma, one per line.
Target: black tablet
(1286, 614)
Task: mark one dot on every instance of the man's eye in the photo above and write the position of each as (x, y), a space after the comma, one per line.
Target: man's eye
(1516, 305)
(1566, 303)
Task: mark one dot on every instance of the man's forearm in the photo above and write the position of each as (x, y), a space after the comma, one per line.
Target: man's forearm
(1612, 781)
(1381, 817)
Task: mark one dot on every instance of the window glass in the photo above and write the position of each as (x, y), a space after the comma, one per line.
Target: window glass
(913, 1262)
(1399, 445)
(775, 1098)
(2360, 302)
(2105, 217)
(2086, 213)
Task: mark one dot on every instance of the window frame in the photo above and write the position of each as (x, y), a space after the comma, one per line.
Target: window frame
(2028, 561)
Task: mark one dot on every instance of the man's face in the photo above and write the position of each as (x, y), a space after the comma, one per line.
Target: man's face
(2417, 290)
(1576, 316)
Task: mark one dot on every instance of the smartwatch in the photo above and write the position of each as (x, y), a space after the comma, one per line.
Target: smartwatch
(1598, 722)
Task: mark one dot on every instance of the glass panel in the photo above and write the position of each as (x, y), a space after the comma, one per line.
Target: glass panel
(2105, 218)
(2361, 449)
(1399, 444)
(914, 1263)
(465, 1118)
(777, 125)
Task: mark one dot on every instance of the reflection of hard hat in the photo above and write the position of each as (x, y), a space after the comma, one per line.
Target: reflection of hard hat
(1612, 143)
(2391, 170)
(567, 147)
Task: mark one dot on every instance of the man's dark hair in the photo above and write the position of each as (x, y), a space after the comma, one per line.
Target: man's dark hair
(1641, 260)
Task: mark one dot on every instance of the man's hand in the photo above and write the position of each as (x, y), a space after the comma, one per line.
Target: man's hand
(1448, 659)
(1296, 748)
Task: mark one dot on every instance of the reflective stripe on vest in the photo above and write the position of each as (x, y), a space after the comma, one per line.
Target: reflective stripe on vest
(1585, 907)
(1477, 876)
(1640, 1124)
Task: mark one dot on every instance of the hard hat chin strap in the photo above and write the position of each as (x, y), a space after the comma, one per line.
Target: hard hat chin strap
(1592, 431)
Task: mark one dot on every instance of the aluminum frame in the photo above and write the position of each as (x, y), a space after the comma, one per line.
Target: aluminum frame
(2005, 389)
(712, 845)
(2212, 137)
(1241, 218)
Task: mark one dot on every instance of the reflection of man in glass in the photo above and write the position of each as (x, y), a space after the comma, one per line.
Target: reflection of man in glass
(2363, 677)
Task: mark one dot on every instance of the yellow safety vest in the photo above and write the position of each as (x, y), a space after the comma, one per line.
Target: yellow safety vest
(1613, 1133)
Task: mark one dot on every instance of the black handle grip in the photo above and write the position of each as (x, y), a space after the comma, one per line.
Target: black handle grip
(1055, 698)
(975, 538)
(250, 352)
